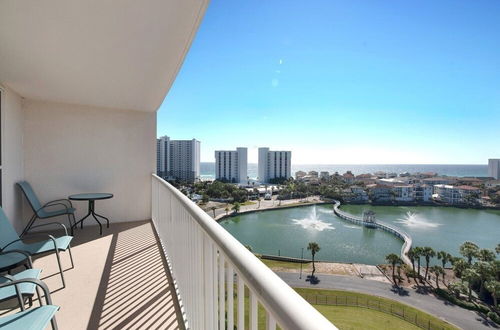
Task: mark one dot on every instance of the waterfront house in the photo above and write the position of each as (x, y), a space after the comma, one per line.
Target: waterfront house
(366, 178)
(439, 180)
(423, 192)
(80, 85)
(380, 193)
(324, 175)
(348, 177)
(300, 174)
(492, 183)
(403, 193)
(313, 174)
(359, 195)
(456, 195)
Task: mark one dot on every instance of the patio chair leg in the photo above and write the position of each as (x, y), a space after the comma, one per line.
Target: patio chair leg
(70, 224)
(71, 256)
(28, 226)
(53, 323)
(60, 267)
(39, 295)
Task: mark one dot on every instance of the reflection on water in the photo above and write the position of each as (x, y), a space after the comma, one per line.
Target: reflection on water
(415, 220)
(353, 226)
(313, 222)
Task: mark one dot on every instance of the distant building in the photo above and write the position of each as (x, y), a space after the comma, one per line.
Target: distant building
(439, 180)
(300, 174)
(423, 192)
(178, 159)
(494, 168)
(492, 184)
(379, 193)
(403, 193)
(313, 174)
(324, 175)
(274, 164)
(348, 177)
(456, 194)
(162, 156)
(231, 165)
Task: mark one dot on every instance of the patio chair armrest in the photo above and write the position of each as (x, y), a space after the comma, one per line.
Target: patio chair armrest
(26, 254)
(52, 223)
(52, 204)
(58, 202)
(35, 281)
(36, 235)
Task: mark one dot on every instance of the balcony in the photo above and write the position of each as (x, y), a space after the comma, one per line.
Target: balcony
(179, 270)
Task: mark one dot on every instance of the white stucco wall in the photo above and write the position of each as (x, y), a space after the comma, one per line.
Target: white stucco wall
(72, 149)
(12, 155)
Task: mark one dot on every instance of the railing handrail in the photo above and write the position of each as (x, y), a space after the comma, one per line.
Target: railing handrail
(287, 306)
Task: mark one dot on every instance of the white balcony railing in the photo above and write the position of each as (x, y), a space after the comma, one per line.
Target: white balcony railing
(210, 267)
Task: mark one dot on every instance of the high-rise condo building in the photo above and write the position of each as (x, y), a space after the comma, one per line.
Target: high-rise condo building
(494, 168)
(178, 159)
(162, 156)
(231, 165)
(274, 164)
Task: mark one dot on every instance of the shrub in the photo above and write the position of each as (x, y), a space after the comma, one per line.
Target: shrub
(464, 304)
(494, 317)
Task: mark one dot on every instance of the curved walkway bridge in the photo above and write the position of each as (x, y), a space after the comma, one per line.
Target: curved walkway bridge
(407, 241)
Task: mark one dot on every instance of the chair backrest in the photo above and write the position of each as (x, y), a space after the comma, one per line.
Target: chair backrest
(30, 195)
(7, 231)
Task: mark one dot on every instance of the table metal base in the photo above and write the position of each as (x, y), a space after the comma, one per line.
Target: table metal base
(92, 213)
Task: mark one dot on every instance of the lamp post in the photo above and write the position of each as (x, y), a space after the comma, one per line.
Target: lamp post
(301, 262)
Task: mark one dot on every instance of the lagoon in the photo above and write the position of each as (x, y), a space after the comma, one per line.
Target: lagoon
(287, 231)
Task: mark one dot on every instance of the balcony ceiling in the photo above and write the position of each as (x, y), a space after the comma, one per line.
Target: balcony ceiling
(109, 53)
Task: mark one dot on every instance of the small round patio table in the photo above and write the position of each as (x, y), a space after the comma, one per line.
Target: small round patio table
(91, 198)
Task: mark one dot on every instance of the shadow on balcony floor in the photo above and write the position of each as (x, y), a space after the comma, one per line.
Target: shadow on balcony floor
(119, 281)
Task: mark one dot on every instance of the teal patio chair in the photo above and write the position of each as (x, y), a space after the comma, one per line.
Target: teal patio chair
(48, 210)
(37, 318)
(9, 240)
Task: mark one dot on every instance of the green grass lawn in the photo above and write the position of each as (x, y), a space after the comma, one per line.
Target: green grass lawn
(362, 318)
(387, 304)
(283, 264)
(352, 317)
(248, 203)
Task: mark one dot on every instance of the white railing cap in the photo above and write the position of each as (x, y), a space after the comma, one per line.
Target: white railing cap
(287, 306)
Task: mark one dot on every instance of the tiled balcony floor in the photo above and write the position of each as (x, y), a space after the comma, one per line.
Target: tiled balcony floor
(119, 281)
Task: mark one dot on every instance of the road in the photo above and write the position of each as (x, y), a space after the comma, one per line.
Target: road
(458, 316)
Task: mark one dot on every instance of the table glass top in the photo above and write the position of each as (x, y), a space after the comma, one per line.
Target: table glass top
(91, 196)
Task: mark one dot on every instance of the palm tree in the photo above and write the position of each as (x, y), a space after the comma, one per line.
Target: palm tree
(428, 253)
(213, 208)
(459, 266)
(494, 288)
(411, 255)
(314, 248)
(445, 257)
(437, 270)
(497, 249)
(236, 207)
(486, 255)
(469, 250)
(418, 253)
(485, 272)
(393, 259)
(469, 276)
(227, 209)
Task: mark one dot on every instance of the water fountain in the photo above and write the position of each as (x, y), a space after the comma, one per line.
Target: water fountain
(416, 221)
(312, 222)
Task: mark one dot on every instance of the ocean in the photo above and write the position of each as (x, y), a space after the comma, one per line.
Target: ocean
(208, 169)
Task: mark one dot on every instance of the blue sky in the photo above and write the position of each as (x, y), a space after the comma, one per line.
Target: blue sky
(343, 82)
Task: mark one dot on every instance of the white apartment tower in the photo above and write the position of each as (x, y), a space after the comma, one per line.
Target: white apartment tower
(162, 156)
(494, 168)
(274, 164)
(231, 165)
(178, 159)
